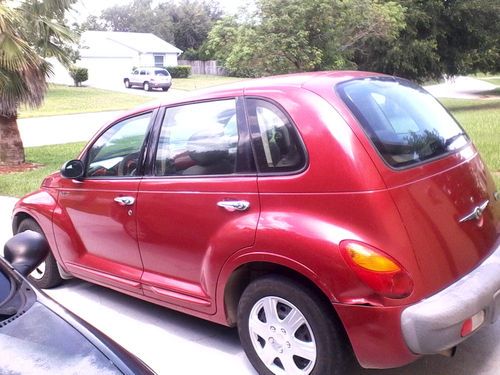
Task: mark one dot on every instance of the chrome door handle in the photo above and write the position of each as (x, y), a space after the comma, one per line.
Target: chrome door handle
(125, 201)
(234, 205)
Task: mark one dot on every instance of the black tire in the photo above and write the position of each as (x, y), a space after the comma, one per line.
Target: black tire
(146, 86)
(126, 83)
(317, 330)
(50, 277)
(165, 88)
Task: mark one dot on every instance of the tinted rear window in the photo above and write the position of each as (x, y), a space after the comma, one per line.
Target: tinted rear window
(405, 123)
(161, 72)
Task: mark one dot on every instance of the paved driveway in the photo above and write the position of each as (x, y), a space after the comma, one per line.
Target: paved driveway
(175, 343)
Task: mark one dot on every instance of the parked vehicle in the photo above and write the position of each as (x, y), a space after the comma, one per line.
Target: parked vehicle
(320, 213)
(148, 78)
(37, 335)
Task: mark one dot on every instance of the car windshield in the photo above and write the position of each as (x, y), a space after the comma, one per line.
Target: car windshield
(405, 123)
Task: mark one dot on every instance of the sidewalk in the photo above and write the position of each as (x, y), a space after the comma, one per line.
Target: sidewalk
(462, 88)
(40, 131)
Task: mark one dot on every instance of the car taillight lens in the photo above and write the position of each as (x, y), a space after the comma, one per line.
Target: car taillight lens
(471, 324)
(377, 270)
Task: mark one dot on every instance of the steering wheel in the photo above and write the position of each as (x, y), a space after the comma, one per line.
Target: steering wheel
(128, 165)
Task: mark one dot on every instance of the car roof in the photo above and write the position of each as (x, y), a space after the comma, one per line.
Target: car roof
(313, 80)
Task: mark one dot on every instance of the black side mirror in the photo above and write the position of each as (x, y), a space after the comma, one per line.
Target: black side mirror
(25, 251)
(72, 169)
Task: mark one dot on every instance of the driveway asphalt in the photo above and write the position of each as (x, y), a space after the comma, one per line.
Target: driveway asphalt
(175, 343)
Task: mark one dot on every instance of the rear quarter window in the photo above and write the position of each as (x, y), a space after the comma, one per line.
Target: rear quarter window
(276, 142)
(404, 122)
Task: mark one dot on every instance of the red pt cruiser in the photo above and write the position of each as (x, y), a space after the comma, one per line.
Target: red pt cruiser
(317, 212)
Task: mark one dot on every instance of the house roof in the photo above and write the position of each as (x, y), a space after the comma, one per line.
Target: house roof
(123, 44)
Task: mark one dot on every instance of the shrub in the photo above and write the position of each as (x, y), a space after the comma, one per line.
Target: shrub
(180, 71)
(79, 75)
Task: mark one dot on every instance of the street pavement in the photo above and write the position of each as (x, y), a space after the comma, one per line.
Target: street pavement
(175, 343)
(39, 131)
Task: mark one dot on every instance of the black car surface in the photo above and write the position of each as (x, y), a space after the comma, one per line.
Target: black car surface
(39, 336)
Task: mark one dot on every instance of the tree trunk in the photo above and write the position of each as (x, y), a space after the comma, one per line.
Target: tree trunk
(11, 145)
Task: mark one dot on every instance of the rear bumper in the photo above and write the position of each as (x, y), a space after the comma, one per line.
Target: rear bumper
(160, 85)
(434, 324)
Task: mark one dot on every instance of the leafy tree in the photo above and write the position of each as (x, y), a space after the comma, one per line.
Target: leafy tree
(93, 23)
(184, 23)
(140, 17)
(300, 35)
(440, 37)
(29, 31)
(470, 36)
(192, 20)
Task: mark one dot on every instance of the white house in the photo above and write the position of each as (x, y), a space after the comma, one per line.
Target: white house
(110, 55)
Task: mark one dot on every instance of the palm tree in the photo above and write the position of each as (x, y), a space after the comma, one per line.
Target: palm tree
(29, 31)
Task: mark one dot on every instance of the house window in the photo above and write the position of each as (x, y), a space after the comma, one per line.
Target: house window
(159, 59)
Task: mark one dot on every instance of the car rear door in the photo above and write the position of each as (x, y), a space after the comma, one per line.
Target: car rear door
(200, 203)
(98, 213)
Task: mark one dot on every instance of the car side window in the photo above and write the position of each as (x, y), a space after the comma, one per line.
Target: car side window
(143, 73)
(276, 142)
(116, 153)
(198, 139)
(135, 72)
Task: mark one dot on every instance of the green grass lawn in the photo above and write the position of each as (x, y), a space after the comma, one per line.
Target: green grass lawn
(478, 117)
(63, 100)
(494, 81)
(200, 81)
(51, 157)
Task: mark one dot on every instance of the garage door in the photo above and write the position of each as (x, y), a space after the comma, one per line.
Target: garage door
(106, 72)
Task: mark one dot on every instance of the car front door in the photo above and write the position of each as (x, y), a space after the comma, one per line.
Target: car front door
(200, 203)
(98, 213)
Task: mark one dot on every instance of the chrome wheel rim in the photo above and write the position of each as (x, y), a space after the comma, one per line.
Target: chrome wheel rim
(282, 337)
(39, 272)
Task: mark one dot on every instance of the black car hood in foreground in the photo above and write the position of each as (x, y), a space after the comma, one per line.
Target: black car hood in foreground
(38, 336)
(41, 342)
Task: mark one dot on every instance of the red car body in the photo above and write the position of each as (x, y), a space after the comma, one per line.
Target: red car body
(177, 248)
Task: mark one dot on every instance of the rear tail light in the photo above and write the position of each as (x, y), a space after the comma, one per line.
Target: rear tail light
(473, 323)
(377, 270)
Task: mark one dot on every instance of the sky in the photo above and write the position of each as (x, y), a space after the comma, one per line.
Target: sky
(94, 7)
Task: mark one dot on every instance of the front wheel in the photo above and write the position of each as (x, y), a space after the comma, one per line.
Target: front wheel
(46, 275)
(146, 86)
(127, 83)
(285, 329)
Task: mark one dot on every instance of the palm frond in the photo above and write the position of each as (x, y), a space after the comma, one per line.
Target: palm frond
(26, 87)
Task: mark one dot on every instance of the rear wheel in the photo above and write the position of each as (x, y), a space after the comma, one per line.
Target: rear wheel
(146, 86)
(46, 275)
(165, 88)
(126, 83)
(285, 329)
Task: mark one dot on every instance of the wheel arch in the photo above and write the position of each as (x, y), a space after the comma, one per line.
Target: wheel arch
(18, 218)
(245, 273)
